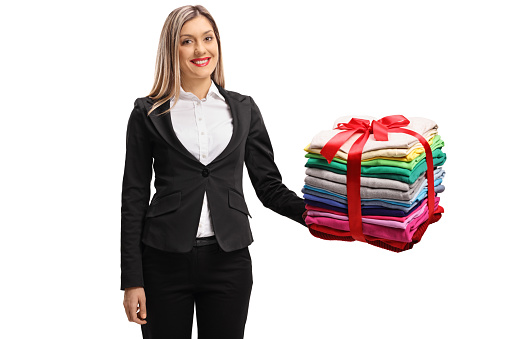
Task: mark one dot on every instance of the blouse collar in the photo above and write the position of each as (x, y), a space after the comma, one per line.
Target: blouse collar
(213, 91)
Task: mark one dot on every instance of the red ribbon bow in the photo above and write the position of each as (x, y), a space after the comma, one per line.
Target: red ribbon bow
(380, 129)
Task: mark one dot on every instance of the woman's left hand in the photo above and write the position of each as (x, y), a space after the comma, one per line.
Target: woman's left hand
(304, 215)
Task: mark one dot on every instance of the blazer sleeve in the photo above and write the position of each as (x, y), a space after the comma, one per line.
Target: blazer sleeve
(135, 196)
(264, 174)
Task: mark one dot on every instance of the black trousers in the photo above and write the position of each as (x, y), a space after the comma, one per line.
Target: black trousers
(218, 282)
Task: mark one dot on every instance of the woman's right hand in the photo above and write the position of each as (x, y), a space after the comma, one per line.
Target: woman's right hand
(134, 300)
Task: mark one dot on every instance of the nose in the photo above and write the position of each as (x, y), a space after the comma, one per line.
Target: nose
(200, 49)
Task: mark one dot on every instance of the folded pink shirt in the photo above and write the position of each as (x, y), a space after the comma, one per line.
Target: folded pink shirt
(327, 233)
(390, 233)
(394, 222)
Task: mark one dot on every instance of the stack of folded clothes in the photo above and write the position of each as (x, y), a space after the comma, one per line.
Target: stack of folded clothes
(393, 186)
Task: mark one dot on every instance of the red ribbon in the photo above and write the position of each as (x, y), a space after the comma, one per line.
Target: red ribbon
(380, 129)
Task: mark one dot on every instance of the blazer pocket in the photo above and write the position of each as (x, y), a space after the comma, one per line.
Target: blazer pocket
(236, 201)
(165, 204)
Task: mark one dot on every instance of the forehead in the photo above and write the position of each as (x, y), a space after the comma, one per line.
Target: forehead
(196, 27)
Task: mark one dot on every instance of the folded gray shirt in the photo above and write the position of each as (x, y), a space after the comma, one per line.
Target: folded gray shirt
(372, 182)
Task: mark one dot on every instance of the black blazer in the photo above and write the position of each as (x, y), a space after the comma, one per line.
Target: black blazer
(170, 222)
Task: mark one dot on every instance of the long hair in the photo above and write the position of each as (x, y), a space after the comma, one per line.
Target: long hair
(167, 72)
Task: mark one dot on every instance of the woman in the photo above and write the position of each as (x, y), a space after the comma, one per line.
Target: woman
(190, 245)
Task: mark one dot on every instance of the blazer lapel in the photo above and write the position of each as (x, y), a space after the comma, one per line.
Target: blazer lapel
(241, 121)
(164, 126)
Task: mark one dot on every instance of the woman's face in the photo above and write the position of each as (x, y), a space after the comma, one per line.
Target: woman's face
(198, 50)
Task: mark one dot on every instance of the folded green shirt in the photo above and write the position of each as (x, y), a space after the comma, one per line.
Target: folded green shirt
(388, 172)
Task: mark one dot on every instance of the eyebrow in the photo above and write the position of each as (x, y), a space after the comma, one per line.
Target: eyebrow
(192, 35)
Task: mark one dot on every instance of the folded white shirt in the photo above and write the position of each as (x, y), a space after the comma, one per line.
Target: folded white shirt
(423, 126)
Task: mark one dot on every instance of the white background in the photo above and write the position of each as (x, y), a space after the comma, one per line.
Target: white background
(70, 72)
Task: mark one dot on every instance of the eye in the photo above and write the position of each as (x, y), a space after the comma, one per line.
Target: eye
(209, 37)
(184, 42)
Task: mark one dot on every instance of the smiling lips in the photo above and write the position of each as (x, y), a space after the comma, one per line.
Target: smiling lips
(201, 62)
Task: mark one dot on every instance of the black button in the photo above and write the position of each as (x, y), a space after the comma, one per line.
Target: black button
(205, 172)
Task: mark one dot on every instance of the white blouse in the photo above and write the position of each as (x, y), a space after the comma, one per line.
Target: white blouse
(205, 128)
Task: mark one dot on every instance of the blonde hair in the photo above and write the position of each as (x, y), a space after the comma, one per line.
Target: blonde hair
(167, 73)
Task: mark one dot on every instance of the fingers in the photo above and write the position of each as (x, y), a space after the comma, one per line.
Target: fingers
(304, 215)
(143, 310)
(137, 318)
